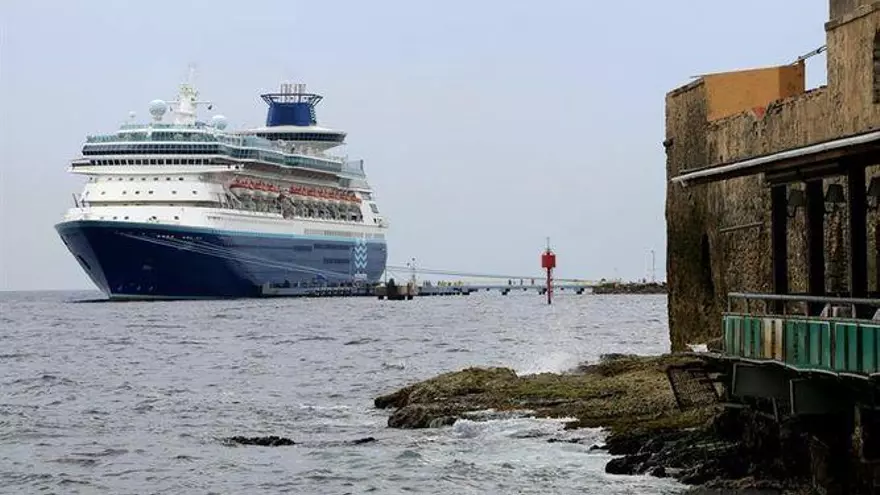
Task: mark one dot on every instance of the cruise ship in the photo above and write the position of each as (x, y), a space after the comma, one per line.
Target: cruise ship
(181, 208)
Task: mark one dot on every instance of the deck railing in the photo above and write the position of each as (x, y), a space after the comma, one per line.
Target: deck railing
(836, 341)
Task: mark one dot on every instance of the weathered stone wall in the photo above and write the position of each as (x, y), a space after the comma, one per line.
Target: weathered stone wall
(704, 264)
(840, 8)
(789, 123)
(851, 73)
(691, 297)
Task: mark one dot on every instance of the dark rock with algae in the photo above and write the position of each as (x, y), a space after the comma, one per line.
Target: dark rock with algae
(617, 392)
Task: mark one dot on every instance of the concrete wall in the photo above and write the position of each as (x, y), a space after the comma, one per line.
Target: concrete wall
(730, 93)
(706, 124)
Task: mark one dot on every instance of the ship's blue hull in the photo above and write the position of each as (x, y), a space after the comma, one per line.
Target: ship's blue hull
(147, 261)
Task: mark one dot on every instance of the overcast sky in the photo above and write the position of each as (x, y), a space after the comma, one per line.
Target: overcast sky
(485, 125)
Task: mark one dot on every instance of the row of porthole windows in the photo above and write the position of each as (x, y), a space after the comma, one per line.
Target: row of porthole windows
(151, 218)
(141, 204)
(136, 192)
(156, 161)
(110, 179)
(144, 178)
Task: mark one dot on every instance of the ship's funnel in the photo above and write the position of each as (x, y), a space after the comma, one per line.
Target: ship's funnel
(291, 106)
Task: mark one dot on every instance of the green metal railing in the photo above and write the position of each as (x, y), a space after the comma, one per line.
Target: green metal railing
(839, 344)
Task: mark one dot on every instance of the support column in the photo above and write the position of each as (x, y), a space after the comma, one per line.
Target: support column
(877, 253)
(815, 220)
(779, 240)
(858, 233)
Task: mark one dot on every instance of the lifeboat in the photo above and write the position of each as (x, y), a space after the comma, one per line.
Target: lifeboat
(274, 191)
(264, 190)
(239, 188)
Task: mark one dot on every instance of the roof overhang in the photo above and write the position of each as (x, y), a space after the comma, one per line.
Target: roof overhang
(814, 161)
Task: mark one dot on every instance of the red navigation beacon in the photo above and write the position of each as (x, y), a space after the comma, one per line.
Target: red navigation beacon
(548, 262)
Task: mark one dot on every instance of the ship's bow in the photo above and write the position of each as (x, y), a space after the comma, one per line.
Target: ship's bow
(134, 261)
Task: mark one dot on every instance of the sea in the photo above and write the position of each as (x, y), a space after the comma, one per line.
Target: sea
(103, 397)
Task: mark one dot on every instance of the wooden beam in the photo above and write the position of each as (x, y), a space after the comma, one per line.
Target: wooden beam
(825, 163)
(804, 174)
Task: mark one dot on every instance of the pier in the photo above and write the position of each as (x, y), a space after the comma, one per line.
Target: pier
(409, 286)
(447, 290)
(409, 290)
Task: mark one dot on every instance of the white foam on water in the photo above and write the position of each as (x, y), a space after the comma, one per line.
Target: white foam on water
(556, 362)
(523, 427)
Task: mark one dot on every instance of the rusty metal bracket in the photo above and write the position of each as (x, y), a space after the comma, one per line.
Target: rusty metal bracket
(692, 386)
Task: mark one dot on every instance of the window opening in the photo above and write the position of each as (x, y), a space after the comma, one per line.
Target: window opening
(876, 67)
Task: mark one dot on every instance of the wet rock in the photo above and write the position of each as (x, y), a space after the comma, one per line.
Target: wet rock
(276, 441)
(568, 440)
(267, 441)
(627, 465)
(475, 385)
(636, 440)
(627, 442)
(421, 416)
(616, 356)
(673, 472)
(621, 389)
(360, 441)
(753, 486)
(397, 399)
(442, 421)
(631, 398)
(658, 472)
(737, 451)
(697, 475)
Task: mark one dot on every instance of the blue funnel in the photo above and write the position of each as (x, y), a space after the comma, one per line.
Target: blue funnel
(291, 108)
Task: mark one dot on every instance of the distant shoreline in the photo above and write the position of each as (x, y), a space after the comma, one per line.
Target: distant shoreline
(630, 288)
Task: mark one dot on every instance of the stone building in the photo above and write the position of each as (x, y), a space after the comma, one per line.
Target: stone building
(719, 235)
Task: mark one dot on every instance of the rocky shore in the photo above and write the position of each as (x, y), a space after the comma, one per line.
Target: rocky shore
(631, 398)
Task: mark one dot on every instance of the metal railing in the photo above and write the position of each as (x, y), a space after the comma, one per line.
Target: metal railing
(829, 304)
(235, 146)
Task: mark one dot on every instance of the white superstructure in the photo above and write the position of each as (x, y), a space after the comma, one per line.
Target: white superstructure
(183, 172)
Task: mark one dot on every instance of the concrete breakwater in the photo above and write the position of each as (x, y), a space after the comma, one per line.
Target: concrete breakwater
(631, 397)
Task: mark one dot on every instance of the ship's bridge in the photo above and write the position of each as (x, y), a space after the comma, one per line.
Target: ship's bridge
(292, 117)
